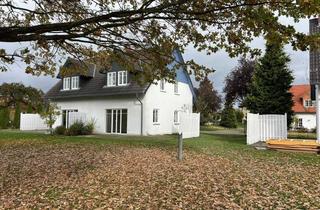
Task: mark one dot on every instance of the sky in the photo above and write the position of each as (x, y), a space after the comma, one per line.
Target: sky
(219, 61)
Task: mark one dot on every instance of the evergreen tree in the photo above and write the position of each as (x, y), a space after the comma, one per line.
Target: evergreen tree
(16, 120)
(4, 118)
(29, 109)
(269, 92)
(228, 117)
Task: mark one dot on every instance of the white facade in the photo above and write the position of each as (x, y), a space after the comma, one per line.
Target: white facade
(166, 101)
(307, 120)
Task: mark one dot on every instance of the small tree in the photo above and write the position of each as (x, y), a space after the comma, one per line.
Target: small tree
(4, 118)
(50, 115)
(16, 119)
(228, 117)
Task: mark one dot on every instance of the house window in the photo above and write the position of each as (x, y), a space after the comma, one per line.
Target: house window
(300, 123)
(75, 82)
(66, 83)
(309, 103)
(111, 79)
(162, 85)
(66, 118)
(122, 78)
(176, 117)
(176, 87)
(155, 118)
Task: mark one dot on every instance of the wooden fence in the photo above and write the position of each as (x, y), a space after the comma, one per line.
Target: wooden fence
(265, 127)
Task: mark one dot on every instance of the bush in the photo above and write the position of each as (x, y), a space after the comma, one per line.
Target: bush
(4, 118)
(60, 130)
(88, 128)
(228, 118)
(80, 128)
(16, 119)
(75, 129)
(239, 115)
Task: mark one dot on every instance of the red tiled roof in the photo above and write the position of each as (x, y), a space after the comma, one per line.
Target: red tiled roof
(301, 93)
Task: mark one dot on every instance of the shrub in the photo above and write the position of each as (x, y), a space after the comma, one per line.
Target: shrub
(16, 119)
(239, 115)
(228, 118)
(75, 129)
(60, 130)
(4, 118)
(88, 128)
(80, 128)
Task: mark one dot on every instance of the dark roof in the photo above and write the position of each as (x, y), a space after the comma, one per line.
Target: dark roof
(95, 86)
(79, 68)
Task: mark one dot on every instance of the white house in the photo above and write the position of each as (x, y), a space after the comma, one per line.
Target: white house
(304, 107)
(119, 105)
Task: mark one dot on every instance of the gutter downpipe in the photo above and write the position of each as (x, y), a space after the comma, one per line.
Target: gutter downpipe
(141, 124)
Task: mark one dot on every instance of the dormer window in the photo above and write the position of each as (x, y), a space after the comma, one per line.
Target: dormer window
(111, 80)
(71, 83)
(66, 83)
(122, 78)
(309, 103)
(75, 83)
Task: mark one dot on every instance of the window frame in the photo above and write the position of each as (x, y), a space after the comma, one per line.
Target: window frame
(122, 78)
(66, 83)
(162, 85)
(113, 76)
(300, 123)
(155, 116)
(75, 83)
(176, 88)
(176, 117)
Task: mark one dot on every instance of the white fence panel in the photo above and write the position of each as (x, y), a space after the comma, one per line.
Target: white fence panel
(190, 125)
(253, 128)
(265, 127)
(76, 116)
(32, 122)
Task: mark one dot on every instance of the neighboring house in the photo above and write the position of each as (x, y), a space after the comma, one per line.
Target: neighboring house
(119, 105)
(303, 108)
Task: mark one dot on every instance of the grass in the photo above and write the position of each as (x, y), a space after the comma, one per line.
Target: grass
(299, 135)
(229, 146)
(212, 128)
(41, 171)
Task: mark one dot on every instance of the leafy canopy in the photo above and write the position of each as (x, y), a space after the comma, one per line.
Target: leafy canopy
(13, 94)
(145, 30)
(237, 83)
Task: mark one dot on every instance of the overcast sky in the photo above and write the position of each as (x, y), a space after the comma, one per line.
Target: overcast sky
(219, 61)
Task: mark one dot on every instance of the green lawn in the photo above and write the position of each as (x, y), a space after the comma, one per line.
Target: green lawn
(230, 146)
(104, 171)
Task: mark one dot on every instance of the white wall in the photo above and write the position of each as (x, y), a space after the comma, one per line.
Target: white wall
(308, 120)
(95, 108)
(167, 102)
